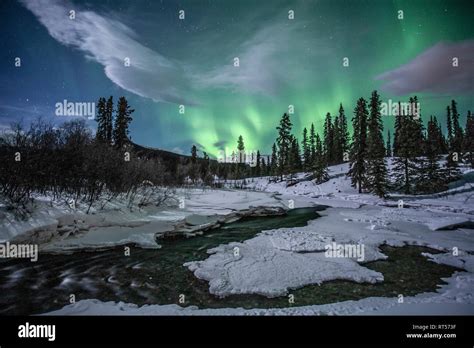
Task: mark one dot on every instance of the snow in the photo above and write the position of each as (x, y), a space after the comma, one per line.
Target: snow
(59, 228)
(272, 262)
(261, 268)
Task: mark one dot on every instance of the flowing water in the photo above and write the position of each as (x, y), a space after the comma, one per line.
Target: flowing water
(156, 276)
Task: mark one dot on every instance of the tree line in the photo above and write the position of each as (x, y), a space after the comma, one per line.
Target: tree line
(72, 161)
(69, 161)
(417, 151)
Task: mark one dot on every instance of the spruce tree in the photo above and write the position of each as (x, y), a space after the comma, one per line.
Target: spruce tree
(320, 172)
(101, 121)
(258, 164)
(306, 150)
(457, 138)
(284, 144)
(337, 142)
(274, 160)
(240, 158)
(122, 121)
(358, 152)
(410, 147)
(241, 149)
(109, 120)
(193, 169)
(263, 167)
(328, 139)
(449, 125)
(343, 131)
(451, 170)
(430, 178)
(397, 131)
(312, 143)
(294, 156)
(389, 145)
(204, 169)
(468, 143)
(376, 166)
(440, 141)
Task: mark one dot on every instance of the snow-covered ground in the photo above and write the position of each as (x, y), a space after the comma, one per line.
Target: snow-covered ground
(276, 261)
(59, 227)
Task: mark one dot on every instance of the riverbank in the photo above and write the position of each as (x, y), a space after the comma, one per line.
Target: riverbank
(58, 227)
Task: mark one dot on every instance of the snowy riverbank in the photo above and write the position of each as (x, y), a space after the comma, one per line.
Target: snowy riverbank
(58, 227)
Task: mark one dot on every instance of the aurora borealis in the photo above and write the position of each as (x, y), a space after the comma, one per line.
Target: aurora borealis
(190, 62)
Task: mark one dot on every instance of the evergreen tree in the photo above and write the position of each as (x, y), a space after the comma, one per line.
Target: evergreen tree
(358, 154)
(258, 164)
(320, 172)
(263, 167)
(328, 139)
(101, 121)
(410, 146)
(274, 160)
(454, 142)
(468, 143)
(306, 150)
(449, 125)
(441, 147)
(337, 142)
(205, 171)
(109, 120)
(343, 131)
(241, 149)
(398, 127)
(122, 121)
(294, 156)
(193, 169)
(376, 166)
(430, 179)
(284, 143)
(240, 158)
(312, 143)
(389, 145)
(193, 154)
(457, 138)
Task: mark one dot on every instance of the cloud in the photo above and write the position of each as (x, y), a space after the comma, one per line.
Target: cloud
(109, 42)
(432, 71)
(264, 62)
(264, 54)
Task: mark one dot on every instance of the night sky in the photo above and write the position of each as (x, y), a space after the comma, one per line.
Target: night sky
(190, 62)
